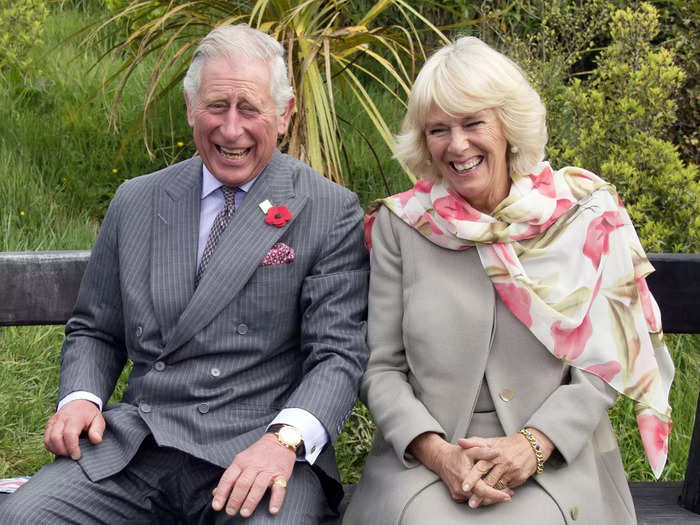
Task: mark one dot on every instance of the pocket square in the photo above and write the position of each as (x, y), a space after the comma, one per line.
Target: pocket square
(280, 253)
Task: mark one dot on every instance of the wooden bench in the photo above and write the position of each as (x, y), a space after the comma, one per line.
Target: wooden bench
(39, 288)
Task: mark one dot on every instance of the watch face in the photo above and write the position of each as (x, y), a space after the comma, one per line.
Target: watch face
(290, 436)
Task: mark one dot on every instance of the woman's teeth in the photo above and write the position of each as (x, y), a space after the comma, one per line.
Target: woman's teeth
(467, 165)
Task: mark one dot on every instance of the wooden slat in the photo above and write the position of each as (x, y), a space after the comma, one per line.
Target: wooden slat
(676, 287)
(656, 503)
(39, 287)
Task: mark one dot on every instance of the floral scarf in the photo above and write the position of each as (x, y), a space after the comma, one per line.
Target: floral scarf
(563, 256)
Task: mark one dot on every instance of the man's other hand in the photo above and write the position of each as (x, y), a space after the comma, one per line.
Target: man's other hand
(266, 463)
(64, 428)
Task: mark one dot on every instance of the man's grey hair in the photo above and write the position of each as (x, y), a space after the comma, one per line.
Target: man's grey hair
(242, 40)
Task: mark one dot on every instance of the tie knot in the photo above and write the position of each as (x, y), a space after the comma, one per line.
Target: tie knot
(229, 197)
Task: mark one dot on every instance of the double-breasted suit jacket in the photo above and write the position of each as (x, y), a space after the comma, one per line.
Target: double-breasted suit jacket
(213, 366)
(437, 331)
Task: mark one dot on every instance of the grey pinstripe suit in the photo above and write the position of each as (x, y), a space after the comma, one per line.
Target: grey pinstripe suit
(212, 367)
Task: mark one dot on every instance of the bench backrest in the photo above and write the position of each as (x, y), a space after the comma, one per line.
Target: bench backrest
(41, 288)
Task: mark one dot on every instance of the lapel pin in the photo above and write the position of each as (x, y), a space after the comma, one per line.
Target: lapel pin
(265, 205)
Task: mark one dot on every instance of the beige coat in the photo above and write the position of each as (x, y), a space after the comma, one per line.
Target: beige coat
(436, 329)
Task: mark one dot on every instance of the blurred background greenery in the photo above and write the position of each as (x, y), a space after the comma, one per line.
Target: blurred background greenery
(90, 97)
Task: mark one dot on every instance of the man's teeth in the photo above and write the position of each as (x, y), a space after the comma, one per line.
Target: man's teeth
(467, 165)
(233, 153)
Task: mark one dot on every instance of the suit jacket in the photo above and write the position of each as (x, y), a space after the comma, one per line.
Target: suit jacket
(213, 366)
(436, 329)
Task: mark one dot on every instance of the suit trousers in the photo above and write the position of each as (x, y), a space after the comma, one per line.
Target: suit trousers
(160, 485)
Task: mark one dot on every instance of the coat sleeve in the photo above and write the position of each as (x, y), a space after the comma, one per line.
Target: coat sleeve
(93, 353)
(570, 415)
(333, 319)
(385, 389)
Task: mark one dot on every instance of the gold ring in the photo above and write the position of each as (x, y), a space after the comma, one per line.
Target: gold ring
(280, 482)
(500, 485)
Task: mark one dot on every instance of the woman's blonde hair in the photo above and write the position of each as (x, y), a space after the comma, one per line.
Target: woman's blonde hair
(465, 77)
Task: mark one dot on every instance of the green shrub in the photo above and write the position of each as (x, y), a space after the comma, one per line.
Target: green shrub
(615, 123)
(21, 27)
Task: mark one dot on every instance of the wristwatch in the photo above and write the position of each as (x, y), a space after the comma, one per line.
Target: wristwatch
(288, 436)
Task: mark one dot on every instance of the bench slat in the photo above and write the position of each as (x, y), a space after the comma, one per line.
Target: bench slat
(39, 287)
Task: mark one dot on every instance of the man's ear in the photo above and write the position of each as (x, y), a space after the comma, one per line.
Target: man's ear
(190, 115)
(283, 119)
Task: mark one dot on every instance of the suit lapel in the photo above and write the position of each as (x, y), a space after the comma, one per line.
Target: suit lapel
(240, 250)
(174, 247)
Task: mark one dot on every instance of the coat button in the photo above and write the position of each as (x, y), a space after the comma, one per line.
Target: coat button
(215, 372)
(506, 394)
(139, 331)
(574, 513)
(159, 366)
(145, 407)
(242, 329)
(203, 408)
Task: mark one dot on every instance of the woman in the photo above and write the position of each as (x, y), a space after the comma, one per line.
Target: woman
(508, 306)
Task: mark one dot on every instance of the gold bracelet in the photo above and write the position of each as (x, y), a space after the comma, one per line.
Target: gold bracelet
(535, 448)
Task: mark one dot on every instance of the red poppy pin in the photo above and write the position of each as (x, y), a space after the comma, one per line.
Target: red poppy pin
(278, 216)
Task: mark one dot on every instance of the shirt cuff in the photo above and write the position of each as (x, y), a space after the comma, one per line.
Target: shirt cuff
(80, 394)
(312, 431)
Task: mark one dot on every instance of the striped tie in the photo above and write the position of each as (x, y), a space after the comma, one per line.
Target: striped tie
(220, 222)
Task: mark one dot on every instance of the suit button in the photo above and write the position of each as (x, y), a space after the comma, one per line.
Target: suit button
(242, 329)
(215, 372)
(159, 366)
(145, 407)
(203, 408)
(506, 394)
(574, 513)
(139, 331)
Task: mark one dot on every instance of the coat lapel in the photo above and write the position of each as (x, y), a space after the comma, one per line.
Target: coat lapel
(174, 247)
(240, 250)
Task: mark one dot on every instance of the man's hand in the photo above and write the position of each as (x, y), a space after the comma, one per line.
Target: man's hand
(64, 428)
(252, 472)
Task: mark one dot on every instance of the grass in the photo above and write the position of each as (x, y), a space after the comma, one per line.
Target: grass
(56, 177)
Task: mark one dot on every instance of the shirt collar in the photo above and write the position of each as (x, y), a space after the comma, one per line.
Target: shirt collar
(210, 183)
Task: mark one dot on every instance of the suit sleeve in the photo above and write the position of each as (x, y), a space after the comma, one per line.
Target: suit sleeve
(93, 353)
(399, 415)
(333, 319)
(570, 415)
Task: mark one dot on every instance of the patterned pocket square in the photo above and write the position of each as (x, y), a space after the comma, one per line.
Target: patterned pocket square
(280, 253)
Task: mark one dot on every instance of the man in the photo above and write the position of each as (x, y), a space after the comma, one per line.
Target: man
(246, 328)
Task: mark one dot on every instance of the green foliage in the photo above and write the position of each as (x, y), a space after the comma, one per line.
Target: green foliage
(74, 159)
(21, 27)
(330, 46)
(615, 123)
(679, 29)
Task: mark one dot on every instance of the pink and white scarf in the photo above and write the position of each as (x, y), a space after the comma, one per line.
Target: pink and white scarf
(564, 257)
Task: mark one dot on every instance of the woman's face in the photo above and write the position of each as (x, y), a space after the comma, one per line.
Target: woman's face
(469, 152)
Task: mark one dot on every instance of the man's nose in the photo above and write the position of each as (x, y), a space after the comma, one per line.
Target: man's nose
(231, 125)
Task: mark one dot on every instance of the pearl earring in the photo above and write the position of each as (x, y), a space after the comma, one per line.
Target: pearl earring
(514, 149)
